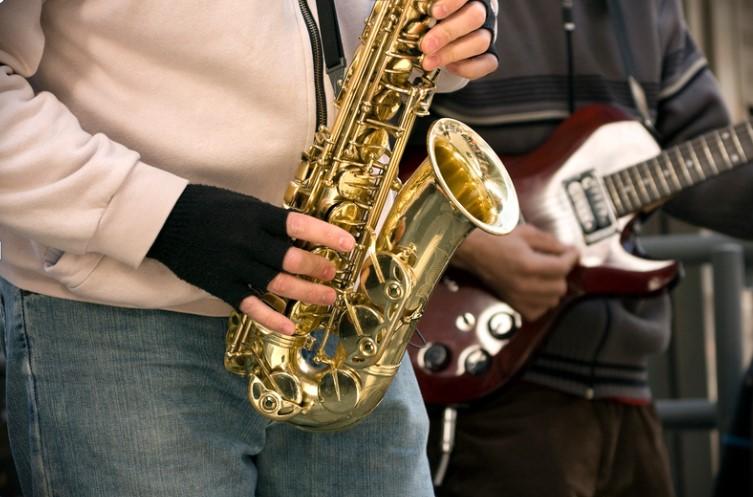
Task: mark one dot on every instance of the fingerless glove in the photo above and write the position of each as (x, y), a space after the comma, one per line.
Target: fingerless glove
(228, 244)
(490, 23)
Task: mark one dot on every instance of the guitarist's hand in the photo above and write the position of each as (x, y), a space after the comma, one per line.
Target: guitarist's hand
(526, 268)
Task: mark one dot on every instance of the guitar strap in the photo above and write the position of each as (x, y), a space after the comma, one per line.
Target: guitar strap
(636, 90)
(332, 44)
(568, 23)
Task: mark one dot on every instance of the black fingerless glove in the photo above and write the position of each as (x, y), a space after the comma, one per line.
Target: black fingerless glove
(226, 243)
(491, 23)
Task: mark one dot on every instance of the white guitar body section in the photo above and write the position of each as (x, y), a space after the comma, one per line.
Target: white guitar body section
(576, 197)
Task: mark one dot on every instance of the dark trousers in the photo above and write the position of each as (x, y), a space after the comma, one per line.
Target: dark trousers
(734, 477)
(532, 441)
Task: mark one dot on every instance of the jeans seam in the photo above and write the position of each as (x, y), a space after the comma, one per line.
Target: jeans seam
(46, 489)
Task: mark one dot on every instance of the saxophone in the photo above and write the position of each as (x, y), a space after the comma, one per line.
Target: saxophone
(338, 364)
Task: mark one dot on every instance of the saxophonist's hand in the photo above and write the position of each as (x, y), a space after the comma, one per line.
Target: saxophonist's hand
(462, 41)
(237, 247)
(301, 262)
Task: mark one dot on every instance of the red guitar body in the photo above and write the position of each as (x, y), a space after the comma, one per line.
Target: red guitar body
(476, 343)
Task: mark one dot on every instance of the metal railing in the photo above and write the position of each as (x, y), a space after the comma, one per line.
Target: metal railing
(727, 257)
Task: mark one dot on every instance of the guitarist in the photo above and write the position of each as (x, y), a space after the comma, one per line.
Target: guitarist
(579, 420)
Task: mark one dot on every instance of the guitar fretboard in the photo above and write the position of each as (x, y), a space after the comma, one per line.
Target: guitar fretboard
(651, 182)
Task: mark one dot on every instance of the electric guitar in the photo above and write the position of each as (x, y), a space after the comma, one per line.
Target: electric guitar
(586, 185)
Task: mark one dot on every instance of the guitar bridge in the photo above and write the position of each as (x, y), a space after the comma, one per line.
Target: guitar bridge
(591, 206)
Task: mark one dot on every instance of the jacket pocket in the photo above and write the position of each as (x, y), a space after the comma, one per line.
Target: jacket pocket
(70, 270)
(104, 280)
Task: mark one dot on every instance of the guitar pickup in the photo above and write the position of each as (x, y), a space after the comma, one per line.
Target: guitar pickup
(590, 206)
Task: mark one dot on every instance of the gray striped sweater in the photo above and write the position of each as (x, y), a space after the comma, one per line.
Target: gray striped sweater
(600, 347)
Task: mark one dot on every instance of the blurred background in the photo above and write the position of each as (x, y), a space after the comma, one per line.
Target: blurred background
(700, 378)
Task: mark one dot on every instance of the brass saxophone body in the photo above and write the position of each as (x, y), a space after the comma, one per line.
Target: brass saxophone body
(341, 359)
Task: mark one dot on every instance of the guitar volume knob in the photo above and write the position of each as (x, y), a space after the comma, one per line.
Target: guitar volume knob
(435, 357)
(478, 362)
(504, 324)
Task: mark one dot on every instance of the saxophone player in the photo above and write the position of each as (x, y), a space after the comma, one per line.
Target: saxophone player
(142, 154)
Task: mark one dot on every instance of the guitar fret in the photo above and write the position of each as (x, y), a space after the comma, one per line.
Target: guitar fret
(647, 175)
(662, 179)
(642, 191)
(614, 194)
(699, 151)
(741, 132)
(739, 146)
(749, 129)
(709, 155)
(630, 188)
(695, 161)
(623, 193)
(672, 173)
(683, 165)
(620, 192)
(723, 149)
(732, 147)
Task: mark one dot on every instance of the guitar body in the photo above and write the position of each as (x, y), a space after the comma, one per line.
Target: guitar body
(476, 343)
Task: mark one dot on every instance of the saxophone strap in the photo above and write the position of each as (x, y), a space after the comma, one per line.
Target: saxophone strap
(334, 56)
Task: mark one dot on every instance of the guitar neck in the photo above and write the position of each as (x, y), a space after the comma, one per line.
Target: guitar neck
(652, 182)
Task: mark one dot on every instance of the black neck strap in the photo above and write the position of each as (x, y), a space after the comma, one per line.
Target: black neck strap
(568, 23)
(332, 44)
(636, 90)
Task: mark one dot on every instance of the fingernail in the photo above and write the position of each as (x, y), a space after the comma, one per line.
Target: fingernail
(439, 10)
(329, 297)
(346, 243)
(430, 44)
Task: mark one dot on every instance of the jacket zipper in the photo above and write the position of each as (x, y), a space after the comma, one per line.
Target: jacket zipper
(316, 49)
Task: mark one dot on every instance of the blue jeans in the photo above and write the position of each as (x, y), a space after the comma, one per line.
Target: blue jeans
(106, 402)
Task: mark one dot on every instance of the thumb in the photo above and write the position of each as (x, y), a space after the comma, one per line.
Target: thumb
(571, 256)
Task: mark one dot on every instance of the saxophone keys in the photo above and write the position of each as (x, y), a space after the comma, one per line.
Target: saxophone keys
(387, 104)
(292, 199)
(346, 215)
(339, 391)
(275, 302)
(280, 404)
(424, 6)
(367, 347)
(386, 281)
(399, 71)
(302, 172)
(307, 317)
(356, 185)
(374, 144)
(397, 185)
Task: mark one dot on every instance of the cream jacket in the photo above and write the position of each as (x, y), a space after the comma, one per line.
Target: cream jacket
(109, 108)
